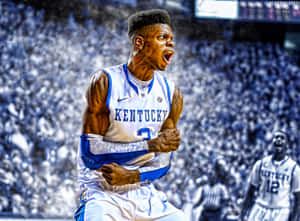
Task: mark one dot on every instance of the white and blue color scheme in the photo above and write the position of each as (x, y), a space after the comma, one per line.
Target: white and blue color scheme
(276, 181)
(137, 111)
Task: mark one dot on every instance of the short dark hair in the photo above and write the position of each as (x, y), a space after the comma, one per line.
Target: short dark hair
(147, 17)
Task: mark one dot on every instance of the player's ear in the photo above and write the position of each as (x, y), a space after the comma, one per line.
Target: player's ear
(139, 42)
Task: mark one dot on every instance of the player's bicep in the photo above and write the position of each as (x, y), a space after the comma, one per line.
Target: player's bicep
(176, 108)
(254, 177)
(95, 118)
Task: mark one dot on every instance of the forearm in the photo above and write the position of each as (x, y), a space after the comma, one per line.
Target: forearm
(249, 200)
(150, 170)
(246, 207)
(95, 151)
(99, 146)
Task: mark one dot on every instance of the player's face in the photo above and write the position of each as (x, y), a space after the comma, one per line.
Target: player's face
(159, 46)
(280, 143)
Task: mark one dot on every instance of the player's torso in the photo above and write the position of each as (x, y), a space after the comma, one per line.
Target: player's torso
(212, 196)
(275, 180)
(136, 111)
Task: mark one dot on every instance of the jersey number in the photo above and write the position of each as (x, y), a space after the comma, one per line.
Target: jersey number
(145, 133)
(272, 187)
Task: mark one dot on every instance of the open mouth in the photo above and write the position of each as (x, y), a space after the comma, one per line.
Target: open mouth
(167, 56)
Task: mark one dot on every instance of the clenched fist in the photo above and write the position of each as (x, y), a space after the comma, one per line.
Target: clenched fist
(114, 174)
(168, 140)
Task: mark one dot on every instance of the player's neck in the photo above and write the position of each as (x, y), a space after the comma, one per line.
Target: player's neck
(139, 69)
(278, 157)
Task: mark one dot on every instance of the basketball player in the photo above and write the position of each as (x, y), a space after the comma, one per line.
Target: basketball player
(276, 178)
(129, 129)
(214, 197)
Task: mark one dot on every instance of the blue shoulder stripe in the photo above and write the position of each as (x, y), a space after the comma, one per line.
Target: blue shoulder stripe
(109, 89)
(127, 77)
(95, 161)
(169, 93)
(151, 84)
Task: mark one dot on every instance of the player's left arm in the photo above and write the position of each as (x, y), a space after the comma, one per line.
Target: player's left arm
(121, 176)
(176, 108)
(295, 213)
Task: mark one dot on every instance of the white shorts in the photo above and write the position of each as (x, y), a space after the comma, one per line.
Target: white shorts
(142, 204)
(261, 213)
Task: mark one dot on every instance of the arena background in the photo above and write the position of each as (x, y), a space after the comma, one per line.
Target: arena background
(237, 66)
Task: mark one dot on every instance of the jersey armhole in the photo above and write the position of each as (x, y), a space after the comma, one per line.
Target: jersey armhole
(292, 177)
(109, 89)
(168, 93)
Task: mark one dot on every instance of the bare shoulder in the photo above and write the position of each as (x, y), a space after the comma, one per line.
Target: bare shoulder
(95, 117)
(97, 90)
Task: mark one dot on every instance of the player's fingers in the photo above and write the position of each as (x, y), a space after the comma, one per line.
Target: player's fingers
(176, 132)
(107, 177)
(169, 148)
(174, 147)
(174, 142)
(107, 168)
(115, 164)
(176, 138)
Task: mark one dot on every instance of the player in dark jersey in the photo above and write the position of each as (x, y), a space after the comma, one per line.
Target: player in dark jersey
(213, 198)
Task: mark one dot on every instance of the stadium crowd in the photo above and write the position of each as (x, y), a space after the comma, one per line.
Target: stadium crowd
(235, 95)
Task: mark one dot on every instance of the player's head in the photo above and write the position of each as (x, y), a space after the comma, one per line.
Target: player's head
(152, 38)
(280, 143)
(213, 178)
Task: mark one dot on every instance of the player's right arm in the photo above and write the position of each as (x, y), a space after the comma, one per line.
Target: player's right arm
(96, 122)
(253, 186)
(248, 201)
(95, 117)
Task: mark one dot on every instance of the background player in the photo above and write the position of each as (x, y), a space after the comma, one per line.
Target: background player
(213, 199)
(275, 178)
(129, 129)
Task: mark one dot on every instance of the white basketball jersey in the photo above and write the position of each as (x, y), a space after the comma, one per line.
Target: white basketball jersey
(276, 181)
(137, 110)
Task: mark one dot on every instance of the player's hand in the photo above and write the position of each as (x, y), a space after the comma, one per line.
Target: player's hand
(168, 140)
(114, 174)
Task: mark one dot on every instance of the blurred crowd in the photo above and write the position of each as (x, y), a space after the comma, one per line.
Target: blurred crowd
(235, 95)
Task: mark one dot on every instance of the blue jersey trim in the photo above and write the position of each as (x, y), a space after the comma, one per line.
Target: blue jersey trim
(151, 84)
(109, 89)
(127, 77)
(155, 174)
(79, 214)
(169, 94)
(95, 161)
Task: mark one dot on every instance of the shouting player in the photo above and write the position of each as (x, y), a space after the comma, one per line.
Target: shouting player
(129, 129)
(276, 178)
